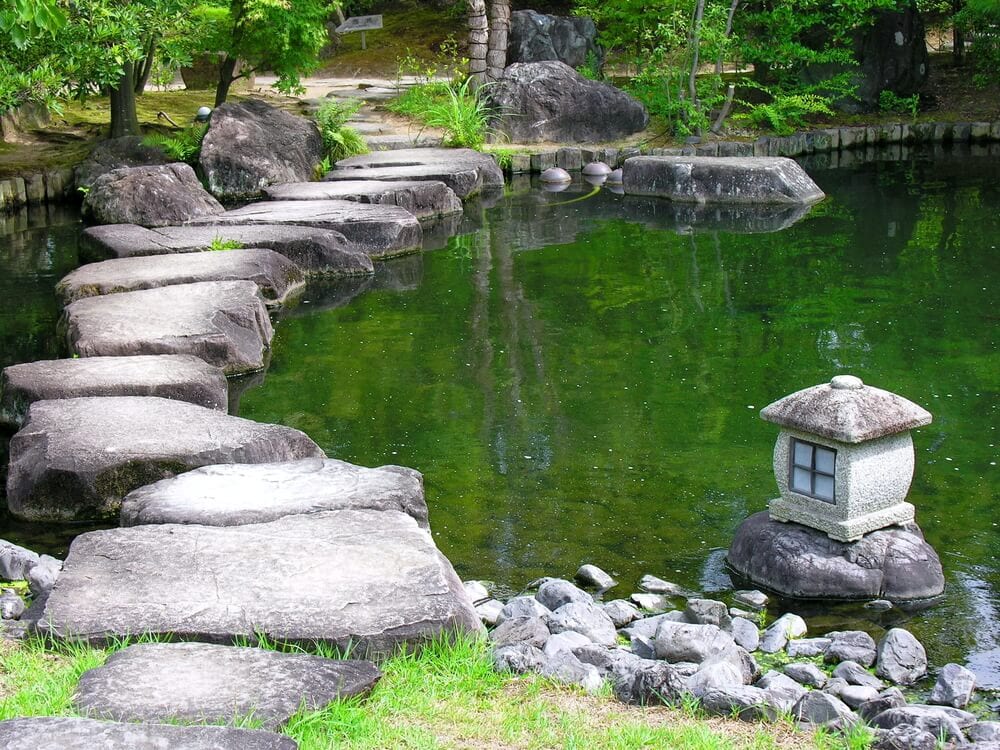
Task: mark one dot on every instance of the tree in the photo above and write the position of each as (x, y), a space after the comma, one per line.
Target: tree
(283, 36)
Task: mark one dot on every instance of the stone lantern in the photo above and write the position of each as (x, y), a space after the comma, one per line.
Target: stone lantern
(844, 457)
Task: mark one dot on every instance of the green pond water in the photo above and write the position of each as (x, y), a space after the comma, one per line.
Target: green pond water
(579, 379)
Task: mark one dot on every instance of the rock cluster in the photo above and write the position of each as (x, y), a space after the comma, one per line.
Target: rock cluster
(709, 650)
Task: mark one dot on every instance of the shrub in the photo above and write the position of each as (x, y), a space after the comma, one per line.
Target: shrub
(339, 139)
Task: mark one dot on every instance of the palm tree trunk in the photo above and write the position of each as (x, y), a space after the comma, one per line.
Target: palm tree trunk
(478, 41)
(496, 55)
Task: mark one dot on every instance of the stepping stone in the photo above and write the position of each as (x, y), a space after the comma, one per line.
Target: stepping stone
(709, 179)
(76, 458)
(52, 733)
(381, 231)
(366, 580)
(177, 376)
(422, 198)
(465, 171)
(315, 251)
(238, 494)
(399, 142)
(223, 322)
(275, 275)
(209, 684)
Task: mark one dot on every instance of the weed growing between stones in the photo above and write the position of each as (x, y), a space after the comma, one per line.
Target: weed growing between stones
(219, 244)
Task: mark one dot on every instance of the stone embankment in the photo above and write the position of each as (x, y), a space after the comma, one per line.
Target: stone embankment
(651, 651)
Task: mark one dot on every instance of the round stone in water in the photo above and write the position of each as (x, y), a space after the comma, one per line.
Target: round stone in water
(846, 382)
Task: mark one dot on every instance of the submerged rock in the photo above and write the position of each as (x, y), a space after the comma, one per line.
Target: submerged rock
(241, 493)
(708, 179)
(367, 580)
(177, 376)
(204, 683)
(224, 323)
(76, 458)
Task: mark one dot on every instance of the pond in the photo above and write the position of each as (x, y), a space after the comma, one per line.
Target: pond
(580, 378)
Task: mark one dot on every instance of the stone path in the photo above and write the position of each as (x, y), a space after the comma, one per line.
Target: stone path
(223, 322)
(177, 376)
(50, 733)
(277, 277)
(424, 199)
(465, 171)
(204, 683)
(76, 458)
(364, 580)
(239, 494)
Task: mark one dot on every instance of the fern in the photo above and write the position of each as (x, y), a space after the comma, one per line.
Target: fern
(184, 145)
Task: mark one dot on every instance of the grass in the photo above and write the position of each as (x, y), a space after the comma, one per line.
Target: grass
(445, 696)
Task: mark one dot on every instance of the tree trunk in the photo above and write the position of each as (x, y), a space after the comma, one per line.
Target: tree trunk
(496, 55)
(728, 34)
(227, 74)
(478, 40)
(124, 120)
(957, 35)
(146, 68)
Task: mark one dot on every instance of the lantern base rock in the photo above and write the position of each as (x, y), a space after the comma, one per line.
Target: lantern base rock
(801, 562)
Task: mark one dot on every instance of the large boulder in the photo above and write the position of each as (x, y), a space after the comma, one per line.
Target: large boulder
(464, 171)
(76, 458)
(536, 37)
(893, 563)
(275, 275)
(549, 101)
(154, 196)
(179, 376)
(251, 144)
(210, 684)
(115, 153)
(69, 733)
(316, 251)
(381, 231)
(237, 494)
(367, 580)
(713, 179)
(425, 199)
(223, 322)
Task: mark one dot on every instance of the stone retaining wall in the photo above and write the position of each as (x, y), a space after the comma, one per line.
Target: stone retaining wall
(53, 186)
(839, 143)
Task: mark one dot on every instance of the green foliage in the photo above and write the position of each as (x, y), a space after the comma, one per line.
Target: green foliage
(890, 101)
(184, 145)
(786, 112)
(981, 20)
(219, 244)
(339, 139)
(463, 114)
(855, 736)
(39, 679)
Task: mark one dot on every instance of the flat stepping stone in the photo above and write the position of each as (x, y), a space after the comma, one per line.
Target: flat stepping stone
(399, 142)
(365, 579)
(238, 494)
(711, 179)
(64, 733)
(422, 198)
(315, 251)
(224, 323)
(381, 231)
(465, 171)
(204, 683)
(76, 458)
(178, 376)
(275, 275)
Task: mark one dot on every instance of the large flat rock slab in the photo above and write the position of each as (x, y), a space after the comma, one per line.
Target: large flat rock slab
(316, 251)
(238, 494)
(66, 733)
(76, 458)
(465, 171)
(710, 179)
(224, 323)
(210, 684)
(381, 231)
(275, 275)
(371, 580)
(422, 198)
(177, 376)
(894, 563)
